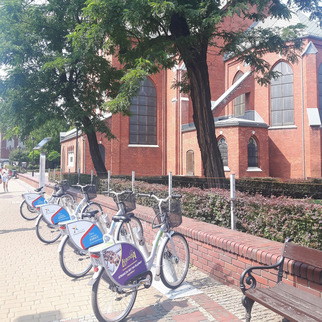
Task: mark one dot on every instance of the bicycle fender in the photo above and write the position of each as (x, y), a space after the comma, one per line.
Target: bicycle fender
(38, 219)
(93, 280)
(159, 255)
(60, 246)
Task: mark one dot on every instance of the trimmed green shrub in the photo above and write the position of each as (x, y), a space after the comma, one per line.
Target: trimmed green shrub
(274, 218)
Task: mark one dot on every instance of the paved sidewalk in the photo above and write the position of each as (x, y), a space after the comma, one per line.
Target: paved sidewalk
(33, 286)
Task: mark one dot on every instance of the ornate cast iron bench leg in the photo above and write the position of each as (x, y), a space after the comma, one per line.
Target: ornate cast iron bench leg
(248, 304)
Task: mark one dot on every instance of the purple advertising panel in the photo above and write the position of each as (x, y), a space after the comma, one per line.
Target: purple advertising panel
(124, 261)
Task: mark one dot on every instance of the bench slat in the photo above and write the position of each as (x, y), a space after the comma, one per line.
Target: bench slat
(303, 254)
(288, 301)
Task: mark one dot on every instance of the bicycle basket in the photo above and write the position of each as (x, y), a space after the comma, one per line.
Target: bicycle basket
(90, 190)
(128, 199)
(64, 185)
(172, 210)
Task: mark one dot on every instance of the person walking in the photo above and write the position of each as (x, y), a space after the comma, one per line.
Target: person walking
(5, 178)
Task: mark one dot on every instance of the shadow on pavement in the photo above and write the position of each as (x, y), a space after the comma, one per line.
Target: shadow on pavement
(44, 316)
(16, 230)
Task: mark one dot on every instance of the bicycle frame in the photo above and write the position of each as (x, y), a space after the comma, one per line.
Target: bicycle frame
(97, 258)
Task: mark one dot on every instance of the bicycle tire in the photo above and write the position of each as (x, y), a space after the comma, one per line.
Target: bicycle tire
(27, 212)
(174, 268)
(98, 219)
(68, 202)
(48, 234)
(122, 233)
(110, 305)
(72, 260)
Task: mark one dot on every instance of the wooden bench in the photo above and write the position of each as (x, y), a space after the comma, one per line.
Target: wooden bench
(292, 303)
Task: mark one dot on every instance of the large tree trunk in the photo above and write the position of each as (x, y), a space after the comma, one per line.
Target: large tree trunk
(94, 150)
(195, 59)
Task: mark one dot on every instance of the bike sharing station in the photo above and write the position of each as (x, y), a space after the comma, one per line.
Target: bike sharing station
(42, 161)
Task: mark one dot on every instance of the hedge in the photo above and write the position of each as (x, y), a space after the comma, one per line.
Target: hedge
(274, 218)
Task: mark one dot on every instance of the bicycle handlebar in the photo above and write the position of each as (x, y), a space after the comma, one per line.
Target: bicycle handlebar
(160, 200)
(116, 193)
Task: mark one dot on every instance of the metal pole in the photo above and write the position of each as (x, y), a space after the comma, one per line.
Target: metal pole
(92, 173)
(133, 180)
(33, 157)
(76, 152)
(108, 179)
(78, 176)
(170, 183)
(232, 200)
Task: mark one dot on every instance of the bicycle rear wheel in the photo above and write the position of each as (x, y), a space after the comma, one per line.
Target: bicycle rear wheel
(123, 231)
(27, 212)
(68, 202)
(73, 261)
(109, 303)
(174, 261)
(47, 233)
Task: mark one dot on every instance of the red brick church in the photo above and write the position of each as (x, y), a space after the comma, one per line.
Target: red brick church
(272, 131)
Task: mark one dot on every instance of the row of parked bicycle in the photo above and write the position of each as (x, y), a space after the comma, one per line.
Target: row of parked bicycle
(115, 247)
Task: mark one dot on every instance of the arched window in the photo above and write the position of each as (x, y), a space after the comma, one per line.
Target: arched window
(190, 166)
(223, 148)
(143, 121)
(282, 100)
(252, 153)
(239, 102)
(320, 91)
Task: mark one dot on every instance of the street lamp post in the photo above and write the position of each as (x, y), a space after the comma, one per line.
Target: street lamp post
(33, 156)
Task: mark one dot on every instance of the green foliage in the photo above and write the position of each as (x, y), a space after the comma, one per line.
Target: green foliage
(46, 77)
(274, 218)
(18, 155)
(34, 156)
(54, 156)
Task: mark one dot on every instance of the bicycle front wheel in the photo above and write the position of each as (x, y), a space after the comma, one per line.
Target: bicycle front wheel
(27, 212)
(109, 303)
(123, 231)
(68, 202)
(174, 261)
(73, 261)
(47, 233)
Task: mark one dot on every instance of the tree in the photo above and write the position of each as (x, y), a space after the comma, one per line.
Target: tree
(167, 32)
(46, 77)
(54, 158)
(18, 155)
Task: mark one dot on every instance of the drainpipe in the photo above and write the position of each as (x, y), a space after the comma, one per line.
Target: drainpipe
(303, 132)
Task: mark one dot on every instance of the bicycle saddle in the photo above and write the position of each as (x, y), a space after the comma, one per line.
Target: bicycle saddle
(125, 218)
(38, 189)
(90, 214)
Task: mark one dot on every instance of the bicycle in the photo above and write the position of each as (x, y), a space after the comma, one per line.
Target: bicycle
(28, 207)
(47, 228)
(82, 234)
(120, 268)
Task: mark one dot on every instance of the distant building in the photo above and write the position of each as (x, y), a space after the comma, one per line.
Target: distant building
(6, 147)
(262, 131)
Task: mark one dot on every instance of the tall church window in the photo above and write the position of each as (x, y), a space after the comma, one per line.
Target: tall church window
(282, 99)
(320, 91)
(239, 102)
(143, 121)
(252, 153)
(190, 163)
(223, 148)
